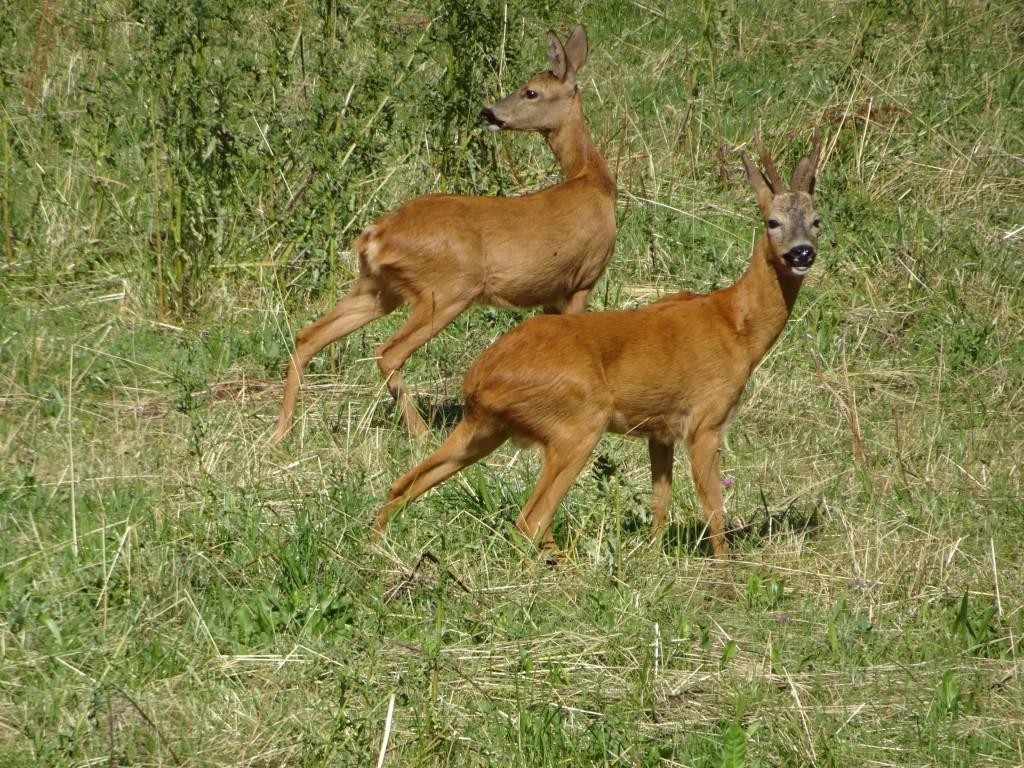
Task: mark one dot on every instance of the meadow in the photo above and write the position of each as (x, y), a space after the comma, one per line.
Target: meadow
(180, 185)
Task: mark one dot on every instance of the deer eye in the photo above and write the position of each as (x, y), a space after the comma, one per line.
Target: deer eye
(816, 223)
(530, 94)
(773, 224)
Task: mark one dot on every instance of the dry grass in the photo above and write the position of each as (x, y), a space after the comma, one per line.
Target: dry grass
(175, 592)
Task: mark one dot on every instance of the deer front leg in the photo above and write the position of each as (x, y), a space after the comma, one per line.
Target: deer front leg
(661, 483)
(707, 479)
(577, 302)
(572, 304)
(428, 317)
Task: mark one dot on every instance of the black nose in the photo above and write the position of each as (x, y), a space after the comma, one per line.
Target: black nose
(488, 116)
(800, 256)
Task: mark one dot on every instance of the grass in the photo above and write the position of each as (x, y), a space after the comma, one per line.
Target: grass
(180, 183)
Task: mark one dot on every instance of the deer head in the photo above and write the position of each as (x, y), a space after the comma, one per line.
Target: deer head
(788, 213)
(540, 104)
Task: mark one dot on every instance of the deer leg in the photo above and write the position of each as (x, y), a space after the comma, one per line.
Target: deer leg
(429, 315)
(577, 302)
(562, 465)
(468, 442)
(363, 304)
(661, 482)
(707, 479)
(574, 303)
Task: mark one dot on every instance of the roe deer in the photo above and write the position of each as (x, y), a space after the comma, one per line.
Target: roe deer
(443, 253)
(670, 371)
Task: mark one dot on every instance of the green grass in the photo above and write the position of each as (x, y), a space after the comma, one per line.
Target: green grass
(179, 186)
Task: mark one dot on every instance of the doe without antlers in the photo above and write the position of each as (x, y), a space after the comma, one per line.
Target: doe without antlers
(443, 253)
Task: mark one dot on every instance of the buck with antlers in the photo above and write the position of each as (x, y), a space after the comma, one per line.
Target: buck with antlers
(670, 371)
(443, 253)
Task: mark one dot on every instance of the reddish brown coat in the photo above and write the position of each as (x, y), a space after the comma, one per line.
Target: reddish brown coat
(672, 371)
(444, 253)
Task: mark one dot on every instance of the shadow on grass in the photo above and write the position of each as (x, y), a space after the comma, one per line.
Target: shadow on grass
(442, 415)
(692, 536)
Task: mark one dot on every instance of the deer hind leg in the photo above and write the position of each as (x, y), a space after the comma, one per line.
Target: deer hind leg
(469, 442)
(707, 479)
(563, 462)
(430, 314)
(661, 482)
(364, 303)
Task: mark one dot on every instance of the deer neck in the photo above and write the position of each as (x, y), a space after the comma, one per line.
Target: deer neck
(572, 146)
(762, 300)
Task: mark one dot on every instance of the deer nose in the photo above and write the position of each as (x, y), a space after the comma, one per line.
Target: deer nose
(488, 116)
(800, 256)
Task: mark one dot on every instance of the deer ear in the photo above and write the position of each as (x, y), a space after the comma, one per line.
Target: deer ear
(803, 176)
(557, 64)
(576, 48)
(807, 169)
(758, 182)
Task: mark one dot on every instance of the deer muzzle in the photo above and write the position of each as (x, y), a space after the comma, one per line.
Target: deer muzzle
(800, 258)
(494, 123)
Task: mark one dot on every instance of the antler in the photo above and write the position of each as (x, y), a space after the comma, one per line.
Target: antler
(815, 149)
(770, 173)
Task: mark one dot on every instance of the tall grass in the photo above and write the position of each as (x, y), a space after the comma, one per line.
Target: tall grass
(180, 185)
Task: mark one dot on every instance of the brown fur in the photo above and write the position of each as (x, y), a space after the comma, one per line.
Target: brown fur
(443, 253)
(667, 372)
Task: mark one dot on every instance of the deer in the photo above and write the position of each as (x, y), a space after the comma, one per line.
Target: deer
(443, 253)
(669, 371)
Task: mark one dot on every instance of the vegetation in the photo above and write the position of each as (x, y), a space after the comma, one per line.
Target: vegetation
(179, 186)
